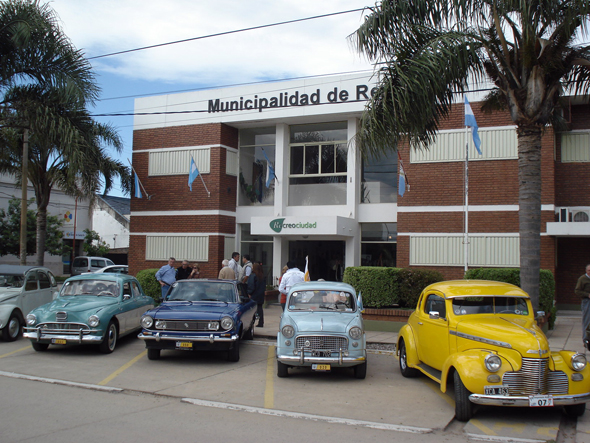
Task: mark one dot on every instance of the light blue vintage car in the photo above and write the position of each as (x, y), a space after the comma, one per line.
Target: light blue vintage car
(321, 328)
(93, 309)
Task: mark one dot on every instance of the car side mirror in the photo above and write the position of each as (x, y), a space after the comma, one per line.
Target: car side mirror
(434, 315)
(126, 296)
(161, 300)
(540, 314)
(244, 299)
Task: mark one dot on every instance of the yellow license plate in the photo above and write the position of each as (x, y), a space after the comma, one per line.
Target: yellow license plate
(58, 341)
(320, 367)
(184, 344)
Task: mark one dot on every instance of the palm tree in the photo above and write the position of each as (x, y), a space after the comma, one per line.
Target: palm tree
(426, 51)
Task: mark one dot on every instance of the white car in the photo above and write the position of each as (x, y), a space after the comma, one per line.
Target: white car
(22, 289)
(114, 269)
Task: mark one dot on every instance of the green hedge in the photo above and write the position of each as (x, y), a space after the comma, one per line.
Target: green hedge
(383, 287)
(151, 287)
(512, 275)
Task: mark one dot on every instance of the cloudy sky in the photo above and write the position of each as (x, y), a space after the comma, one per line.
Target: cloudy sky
(312, 47)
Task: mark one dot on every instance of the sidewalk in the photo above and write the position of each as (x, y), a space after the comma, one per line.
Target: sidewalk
(567, 333)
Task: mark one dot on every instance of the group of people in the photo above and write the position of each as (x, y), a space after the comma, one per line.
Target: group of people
(167, 275)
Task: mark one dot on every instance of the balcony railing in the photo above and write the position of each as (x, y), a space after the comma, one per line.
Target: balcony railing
(570, 221)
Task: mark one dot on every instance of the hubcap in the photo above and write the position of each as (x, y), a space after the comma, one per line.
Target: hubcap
(13, 327)
(112, 337)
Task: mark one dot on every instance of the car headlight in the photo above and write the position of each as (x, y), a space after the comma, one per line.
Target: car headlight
(147, 322)
(93, 321)
(160, 324)
(578, 362)
(288, 331)
(227, 323)
(31, 319)
(355, 333)
(493, 363)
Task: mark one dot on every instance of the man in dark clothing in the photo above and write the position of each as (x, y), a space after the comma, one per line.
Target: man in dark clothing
(184, 271)
(583, 290)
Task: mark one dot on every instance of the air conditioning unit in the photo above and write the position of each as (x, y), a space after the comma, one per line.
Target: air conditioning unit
(579, 215)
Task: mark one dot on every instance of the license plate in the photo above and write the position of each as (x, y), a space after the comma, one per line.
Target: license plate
(496, 390)
(316, 367)
(540, 401)
(184, 344)
(321, 353)
(58, 341)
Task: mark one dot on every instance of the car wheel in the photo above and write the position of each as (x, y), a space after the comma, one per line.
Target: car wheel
(250, 332)
(360, 371)
(403, 363)
(282, 370)
(40, 347)
(575, 410)
(234, 352)
(13, 328)
(110, 339)
(153, 354)
(463, 407)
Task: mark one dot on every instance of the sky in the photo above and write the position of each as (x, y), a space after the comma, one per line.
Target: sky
(305, 48)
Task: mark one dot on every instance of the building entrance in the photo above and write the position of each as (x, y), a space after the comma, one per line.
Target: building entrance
(326, 258)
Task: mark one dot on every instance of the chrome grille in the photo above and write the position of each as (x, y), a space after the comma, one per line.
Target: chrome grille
(324, 342)
(60, 328)
(61, 316)
(187, 325)
(535, 378)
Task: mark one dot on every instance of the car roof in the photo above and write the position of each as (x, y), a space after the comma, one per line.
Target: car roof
(476, 288)
(207, 280)
(19, 269)
(322, 286)
(101, 276)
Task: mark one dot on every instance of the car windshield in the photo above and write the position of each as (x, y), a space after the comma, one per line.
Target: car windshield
(197, 291)
(11, 281)
(99, 288)
(490, 305)
(321, 301)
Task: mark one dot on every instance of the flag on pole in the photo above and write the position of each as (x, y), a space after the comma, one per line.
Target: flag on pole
(270, 172)
(470, 121)
(193, 173)
(306, 276)
(137, 188)
(403, 179)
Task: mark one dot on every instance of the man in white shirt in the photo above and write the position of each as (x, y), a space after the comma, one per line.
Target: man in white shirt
(234, 264)
(292, 276)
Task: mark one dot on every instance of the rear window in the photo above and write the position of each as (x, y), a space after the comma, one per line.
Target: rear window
(80, 262)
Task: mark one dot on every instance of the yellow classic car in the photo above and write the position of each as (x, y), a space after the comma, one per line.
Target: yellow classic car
(483, 336)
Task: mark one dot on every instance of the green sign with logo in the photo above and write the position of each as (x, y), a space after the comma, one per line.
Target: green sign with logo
(278, 224)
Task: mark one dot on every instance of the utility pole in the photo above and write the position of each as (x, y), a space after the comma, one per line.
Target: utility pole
(23, 202)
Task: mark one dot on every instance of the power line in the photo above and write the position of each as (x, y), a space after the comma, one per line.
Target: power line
(226, 33)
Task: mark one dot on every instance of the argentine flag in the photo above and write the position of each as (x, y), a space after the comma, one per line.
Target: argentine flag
(270, 172)
(193, 173)
(137, 188)
(470, 121)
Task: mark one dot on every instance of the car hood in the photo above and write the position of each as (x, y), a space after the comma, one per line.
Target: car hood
(8, 293)
(79, 303)
(320, 322)
(189, 310)
(520, 334)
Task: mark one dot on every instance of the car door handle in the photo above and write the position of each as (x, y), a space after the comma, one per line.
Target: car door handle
(419, 322)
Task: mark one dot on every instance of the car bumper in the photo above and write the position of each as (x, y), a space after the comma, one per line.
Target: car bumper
(340, 359)
(211, 338)
(523, 401)
(86, 336)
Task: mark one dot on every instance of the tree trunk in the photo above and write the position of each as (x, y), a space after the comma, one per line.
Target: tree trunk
(41, 234)
(529, 215)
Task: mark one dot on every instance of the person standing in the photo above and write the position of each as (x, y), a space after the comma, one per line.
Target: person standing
(234, 264)
(282, 297)
(226, 272)
(196, 273)
(583, 290)
(183, 272)
(256, 288)
(246, 269)
(166, 276)
(292, 276)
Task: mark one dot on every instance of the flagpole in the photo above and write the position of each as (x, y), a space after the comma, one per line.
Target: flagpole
(466, 235)
(208, 193)
(140, 183)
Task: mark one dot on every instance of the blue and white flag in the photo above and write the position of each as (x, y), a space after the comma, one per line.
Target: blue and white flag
(137, 188)
(193, 173)
(270, 172)
(470, 121)
(403, 179)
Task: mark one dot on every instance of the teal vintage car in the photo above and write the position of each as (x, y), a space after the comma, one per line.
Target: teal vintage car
(93, 309)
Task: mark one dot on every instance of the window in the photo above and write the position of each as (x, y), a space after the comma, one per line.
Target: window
(257, 149)
(318, 156)
(43, 280)
(378, 244)
(435, 303)
(379, 180)
(31, 282)
(259, 248)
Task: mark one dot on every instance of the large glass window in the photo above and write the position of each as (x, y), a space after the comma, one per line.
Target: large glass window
(259, 248)
(378, 244)
(318, 156)
(379, 181)
(254, 171)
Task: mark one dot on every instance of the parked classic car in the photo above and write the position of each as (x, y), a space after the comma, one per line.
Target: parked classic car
(93, 309)
(201, 314)
(321, 328)
(113, 269)
(22, 288)
(483, 336)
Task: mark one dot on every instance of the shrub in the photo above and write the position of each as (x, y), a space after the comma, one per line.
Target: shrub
(151, 287)
(411, 282)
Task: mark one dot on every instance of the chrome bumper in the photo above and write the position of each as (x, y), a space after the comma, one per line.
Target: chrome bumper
(341, 359)
(83, 336)
(501, 400)
(210, 338)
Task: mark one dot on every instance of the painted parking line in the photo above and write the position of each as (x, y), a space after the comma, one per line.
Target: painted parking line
(59, 382)
(14, 352)
(123, 368)
(269, 396)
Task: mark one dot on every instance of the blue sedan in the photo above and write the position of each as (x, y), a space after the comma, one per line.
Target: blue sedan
(203, 314)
